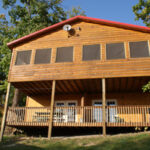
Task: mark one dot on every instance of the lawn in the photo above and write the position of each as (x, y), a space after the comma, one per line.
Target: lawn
(138, 141)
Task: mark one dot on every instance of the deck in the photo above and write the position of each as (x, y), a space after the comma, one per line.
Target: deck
(87, 116)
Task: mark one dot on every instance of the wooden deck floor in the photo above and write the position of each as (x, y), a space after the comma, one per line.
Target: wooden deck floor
(73, 124)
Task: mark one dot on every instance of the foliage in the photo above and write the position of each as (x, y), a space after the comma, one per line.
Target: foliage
(146, 87)
(75, 11)
(6, 34)
(33, 15)
(142, 11)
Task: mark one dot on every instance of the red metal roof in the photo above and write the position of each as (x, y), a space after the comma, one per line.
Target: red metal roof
(74, 19)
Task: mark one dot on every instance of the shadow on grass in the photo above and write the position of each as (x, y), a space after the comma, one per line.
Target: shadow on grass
(10, 143)
(138, 142)
(20, 147)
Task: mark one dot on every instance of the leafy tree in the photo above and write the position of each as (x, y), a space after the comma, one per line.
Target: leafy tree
(26, 16)
(75, 11)
(6, 34)
(146, 87)
(142, 11)
(33, 15)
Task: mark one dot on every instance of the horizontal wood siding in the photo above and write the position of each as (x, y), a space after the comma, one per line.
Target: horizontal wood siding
(90, 34)
(122, 99)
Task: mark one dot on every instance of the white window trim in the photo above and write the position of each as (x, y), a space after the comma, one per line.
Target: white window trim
(66, 102)
(100, 100)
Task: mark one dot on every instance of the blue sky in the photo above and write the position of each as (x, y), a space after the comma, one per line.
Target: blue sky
(115, 10)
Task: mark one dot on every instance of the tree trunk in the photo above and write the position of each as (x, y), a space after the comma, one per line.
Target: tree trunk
(16, 98)
(1, 99)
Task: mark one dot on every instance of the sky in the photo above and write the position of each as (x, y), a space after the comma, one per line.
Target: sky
(114, 10)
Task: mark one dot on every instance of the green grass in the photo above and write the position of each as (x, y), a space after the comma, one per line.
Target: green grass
(120, 142)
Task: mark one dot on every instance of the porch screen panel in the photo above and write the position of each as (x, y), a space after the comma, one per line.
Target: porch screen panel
(91, 52)
(42, 56)
(115, 51)
(139, 49)
(64, 54)
(23, 57)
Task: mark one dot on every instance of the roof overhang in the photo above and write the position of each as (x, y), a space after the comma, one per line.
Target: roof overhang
(31, 36)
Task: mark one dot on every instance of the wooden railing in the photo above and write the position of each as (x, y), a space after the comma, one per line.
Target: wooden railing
(128, 115)
(28, 116)
(80, 116)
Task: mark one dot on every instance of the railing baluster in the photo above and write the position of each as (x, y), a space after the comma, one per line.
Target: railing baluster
(143, 120)
(121, 116)
(79, 116)
(147, 117)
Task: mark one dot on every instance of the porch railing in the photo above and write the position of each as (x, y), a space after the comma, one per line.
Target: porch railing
(28, 115)
(128, 115)
(80, 116)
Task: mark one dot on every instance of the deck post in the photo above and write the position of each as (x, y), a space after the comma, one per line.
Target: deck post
(104, 105)
(5, 112)
(51, 110)
(82, 107)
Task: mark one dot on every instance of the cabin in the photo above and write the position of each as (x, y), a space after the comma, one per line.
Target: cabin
(81, 72)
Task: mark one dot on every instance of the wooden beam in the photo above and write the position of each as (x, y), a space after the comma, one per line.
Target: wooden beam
(5, 112)
(82, 107)
(104, 105)
(51, 109)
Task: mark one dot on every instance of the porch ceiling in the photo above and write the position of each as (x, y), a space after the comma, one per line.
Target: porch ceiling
(83, 86)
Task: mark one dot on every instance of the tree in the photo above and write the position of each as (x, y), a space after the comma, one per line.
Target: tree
(27, 16)
(146, 87)
(33, 15)
(75, 11)
(6, 35)
(142, 11)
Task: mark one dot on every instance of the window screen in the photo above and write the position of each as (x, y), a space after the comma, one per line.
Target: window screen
(115, 51)
(91, 52)
(42, 56)
(139, 49)
(64, 54)
(23, 57)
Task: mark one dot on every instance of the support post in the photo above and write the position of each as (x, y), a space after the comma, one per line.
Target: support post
(104, 105)
(51, 110)
(82, 108)
(5, 112)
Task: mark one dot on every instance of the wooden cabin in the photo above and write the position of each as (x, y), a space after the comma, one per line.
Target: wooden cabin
(82, 72)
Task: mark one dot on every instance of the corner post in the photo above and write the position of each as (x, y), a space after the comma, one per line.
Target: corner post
(5, 112)
(104, 105)
(51, 110)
